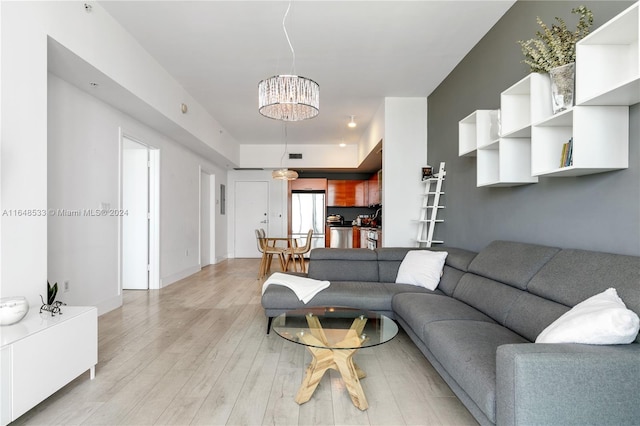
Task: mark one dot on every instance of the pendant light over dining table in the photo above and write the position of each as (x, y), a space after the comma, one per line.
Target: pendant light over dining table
(288, 97)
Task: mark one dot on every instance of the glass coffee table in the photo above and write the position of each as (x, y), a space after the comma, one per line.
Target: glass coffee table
(333, 335)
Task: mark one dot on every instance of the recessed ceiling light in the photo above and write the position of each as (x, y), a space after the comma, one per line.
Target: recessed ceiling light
(93, 84)
(352, 123)
(342, 145)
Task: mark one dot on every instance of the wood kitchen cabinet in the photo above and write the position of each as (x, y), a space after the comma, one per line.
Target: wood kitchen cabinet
(308, 184)
(373, 189)
(347, 193)
(356, 237)
(327, 236)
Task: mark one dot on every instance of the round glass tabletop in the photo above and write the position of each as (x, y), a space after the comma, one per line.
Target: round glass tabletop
(335, 327)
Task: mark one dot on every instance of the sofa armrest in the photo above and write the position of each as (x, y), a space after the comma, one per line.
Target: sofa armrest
(567, 384)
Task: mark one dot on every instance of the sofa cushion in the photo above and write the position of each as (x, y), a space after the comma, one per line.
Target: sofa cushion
(343, 265)
(449, 280)
(397, 288)
(467, 350)
(490, 297)
(531, 314)
(418, 310)
(354, 294)
(510, 262)
(575, 275)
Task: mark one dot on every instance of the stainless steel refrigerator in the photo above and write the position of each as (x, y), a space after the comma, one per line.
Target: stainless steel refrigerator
(308, 212)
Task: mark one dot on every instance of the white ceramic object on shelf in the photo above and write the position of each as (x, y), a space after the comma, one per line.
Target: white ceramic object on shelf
(13, 309)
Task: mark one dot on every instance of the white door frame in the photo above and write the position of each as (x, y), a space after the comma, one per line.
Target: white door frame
(212, 217)
(154, 210)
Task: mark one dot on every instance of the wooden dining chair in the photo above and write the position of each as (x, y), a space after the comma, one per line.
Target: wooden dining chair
(268, 250)
(297, 253)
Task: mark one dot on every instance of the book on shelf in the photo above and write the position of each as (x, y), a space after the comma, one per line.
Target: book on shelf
(566, 158)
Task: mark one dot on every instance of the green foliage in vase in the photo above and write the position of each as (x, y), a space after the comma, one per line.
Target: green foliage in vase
(52, 291)
(556, 45)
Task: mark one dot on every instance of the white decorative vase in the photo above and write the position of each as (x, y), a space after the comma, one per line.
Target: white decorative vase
(13, 309)
(562, 87)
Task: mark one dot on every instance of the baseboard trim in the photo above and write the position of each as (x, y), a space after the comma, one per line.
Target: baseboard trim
(109, 305)
(165, 281)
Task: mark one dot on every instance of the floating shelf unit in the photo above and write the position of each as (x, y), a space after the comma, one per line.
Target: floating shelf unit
(531, 137)
(479, 129)
(608, 62)
(600, 141)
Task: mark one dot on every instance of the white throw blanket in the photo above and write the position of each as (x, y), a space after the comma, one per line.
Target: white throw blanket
(304, 288)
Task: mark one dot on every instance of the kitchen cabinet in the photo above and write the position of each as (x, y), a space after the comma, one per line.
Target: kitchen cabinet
(327, 236)
(361, 193)
(356, 237)
(308, 184)
(364, 237)
(346, 193)
(373, 189)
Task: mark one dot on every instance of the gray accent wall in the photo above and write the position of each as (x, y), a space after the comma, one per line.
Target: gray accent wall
(595, 212)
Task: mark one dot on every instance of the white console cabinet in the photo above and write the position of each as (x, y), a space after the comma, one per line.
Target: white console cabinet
(42, 353)
(531, 138)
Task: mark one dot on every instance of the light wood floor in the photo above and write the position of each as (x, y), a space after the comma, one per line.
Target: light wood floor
(196, 352)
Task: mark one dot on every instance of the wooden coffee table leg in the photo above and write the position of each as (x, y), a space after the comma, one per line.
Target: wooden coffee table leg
(350, 374)
(337, 359)
(321, 361)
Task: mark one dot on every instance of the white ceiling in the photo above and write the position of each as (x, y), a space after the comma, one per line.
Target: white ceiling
(358, 51)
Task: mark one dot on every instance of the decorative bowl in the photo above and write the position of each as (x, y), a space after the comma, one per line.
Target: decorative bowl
(13, 309)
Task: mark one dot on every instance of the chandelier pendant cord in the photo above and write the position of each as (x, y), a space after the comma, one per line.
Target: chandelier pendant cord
(286, 34)
(284, 130)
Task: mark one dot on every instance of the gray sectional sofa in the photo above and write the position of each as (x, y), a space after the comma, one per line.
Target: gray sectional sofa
(478, 326)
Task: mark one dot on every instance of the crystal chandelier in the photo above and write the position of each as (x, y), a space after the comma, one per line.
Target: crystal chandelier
(288, 97)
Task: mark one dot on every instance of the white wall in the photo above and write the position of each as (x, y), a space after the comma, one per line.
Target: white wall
(277, 203)
(83, 172)
(373, 134)
(318, 156)
(100, 41)
(403, 155)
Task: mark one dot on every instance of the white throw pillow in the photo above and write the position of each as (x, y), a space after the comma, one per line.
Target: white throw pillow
(422, 268)
(602, 319)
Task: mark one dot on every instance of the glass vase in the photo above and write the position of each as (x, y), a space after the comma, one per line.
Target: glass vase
(562, 87)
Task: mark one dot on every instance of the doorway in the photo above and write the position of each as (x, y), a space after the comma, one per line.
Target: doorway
(139, 248)
(251, 213)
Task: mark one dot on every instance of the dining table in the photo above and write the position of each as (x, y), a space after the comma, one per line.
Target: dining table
(287, 244)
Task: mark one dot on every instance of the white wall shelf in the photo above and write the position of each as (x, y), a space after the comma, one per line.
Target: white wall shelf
(600, 141)
(505, 163)
(532, 137)
(608, 62)
(524, 103)
(476, 130)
